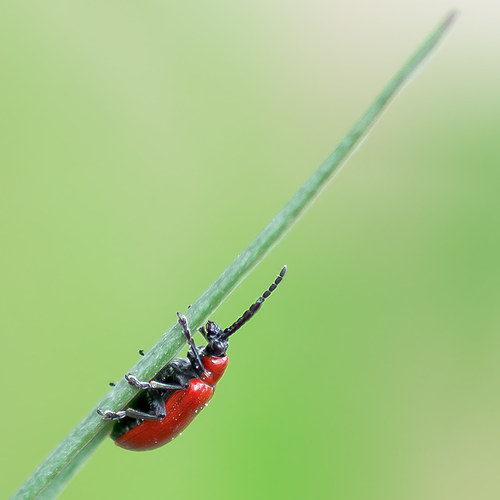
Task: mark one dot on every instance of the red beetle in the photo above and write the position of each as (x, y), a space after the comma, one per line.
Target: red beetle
(181, 389)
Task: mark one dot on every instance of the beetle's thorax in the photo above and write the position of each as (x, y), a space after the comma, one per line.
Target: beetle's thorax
(215, 367)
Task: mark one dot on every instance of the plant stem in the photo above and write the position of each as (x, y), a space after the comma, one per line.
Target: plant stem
(58, 468)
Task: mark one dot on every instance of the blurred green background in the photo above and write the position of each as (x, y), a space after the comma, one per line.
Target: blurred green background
(144, 144)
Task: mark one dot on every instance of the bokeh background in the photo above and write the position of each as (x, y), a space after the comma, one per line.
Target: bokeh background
(144, 144)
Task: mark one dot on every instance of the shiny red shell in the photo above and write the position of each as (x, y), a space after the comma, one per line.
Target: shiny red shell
(180, 408)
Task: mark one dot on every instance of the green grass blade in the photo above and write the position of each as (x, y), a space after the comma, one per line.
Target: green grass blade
(72, 452)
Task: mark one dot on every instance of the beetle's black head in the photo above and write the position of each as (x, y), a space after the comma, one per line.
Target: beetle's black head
(217, 342)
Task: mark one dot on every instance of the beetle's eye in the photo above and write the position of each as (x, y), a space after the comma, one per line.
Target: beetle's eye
(213, 330)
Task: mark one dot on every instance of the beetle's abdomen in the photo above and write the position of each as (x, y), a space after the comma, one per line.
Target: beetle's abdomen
(181, 407)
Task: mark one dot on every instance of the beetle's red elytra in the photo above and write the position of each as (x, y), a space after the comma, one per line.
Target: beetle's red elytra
(167, 404)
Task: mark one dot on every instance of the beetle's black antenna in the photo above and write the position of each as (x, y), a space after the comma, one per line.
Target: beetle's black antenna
(254, 307)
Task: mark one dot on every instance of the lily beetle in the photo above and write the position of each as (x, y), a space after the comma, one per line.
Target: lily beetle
(168, 403)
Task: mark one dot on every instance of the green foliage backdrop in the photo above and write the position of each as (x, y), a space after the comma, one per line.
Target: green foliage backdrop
(143, 145)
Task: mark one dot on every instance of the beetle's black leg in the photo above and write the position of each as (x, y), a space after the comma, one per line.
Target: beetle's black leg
(195, 357)
(129, 412)
(132, 380)
(203, 332)
(156, 403)
(255, 306)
